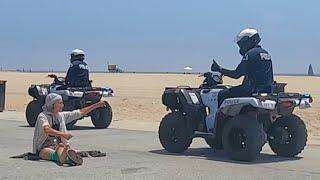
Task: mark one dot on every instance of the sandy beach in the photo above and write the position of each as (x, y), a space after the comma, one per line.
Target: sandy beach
(138, 96)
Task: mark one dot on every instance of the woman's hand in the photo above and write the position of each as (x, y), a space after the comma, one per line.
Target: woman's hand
(67, 146)
(87, 110)
(67, 136)
(52, 132)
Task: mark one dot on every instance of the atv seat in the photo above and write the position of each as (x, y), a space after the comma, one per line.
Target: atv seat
(80, 84)
(273, 88)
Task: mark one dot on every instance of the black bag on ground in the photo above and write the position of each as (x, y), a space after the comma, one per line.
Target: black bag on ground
(27, 156)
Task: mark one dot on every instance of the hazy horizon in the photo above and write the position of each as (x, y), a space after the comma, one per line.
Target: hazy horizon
(147, 72)
(160, 36)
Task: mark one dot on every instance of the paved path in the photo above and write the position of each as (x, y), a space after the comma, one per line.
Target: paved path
(139, 155)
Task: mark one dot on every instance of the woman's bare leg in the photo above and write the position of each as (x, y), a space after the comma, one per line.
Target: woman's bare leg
(62, 152)
(45, 153)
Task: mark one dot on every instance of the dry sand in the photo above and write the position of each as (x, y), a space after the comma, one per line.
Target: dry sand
(138, 96)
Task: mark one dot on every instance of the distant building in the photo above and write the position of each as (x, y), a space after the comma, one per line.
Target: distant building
(113, 68)
(310, 71)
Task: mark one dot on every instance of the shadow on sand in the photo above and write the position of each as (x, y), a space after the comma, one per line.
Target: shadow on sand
(27, 126)
(220, 155)
(76, 127)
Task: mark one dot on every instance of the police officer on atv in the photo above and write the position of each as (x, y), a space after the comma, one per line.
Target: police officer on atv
(78, 72)
(256, 67)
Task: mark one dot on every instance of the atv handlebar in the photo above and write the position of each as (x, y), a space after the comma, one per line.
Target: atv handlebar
(52, 76)
(57, 80)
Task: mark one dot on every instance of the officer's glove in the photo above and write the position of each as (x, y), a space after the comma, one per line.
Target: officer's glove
(215, 66)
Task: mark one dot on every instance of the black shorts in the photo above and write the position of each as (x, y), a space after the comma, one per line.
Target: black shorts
(51, 142)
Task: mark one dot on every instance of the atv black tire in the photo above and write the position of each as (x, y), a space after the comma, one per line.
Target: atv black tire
(71, 124)
(214, 143)
(102, 117)
(33, 109)
(173, 133)
(288, 136)
(243, 138)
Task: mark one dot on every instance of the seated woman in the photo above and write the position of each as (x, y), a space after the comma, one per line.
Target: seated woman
(50, 140)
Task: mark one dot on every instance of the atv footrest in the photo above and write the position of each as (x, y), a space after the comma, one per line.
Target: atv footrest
(203, 134)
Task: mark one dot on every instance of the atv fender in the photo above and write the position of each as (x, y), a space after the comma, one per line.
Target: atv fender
(233, 106)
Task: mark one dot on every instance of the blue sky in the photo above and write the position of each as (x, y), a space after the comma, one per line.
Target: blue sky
(147, 35)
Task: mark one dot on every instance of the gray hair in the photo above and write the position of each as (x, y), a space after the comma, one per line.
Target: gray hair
(51, 99)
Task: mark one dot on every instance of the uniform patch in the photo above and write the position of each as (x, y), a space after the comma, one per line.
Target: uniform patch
(82, 66)
(265, 56)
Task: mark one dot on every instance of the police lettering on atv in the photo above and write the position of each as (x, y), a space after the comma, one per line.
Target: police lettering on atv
(241, 126)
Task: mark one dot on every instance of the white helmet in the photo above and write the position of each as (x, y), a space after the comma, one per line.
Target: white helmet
(77, 54)
(247, 39)
(248, 32)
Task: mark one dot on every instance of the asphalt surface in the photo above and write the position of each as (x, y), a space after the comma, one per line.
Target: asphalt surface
(139, 155)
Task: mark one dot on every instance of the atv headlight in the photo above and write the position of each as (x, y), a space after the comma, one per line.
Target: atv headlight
(107, 92)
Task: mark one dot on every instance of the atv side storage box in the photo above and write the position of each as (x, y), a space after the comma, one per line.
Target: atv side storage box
(185, 100)
(170, 98)
(37, 91)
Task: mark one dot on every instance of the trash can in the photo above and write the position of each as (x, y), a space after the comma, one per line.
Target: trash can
(2, 94)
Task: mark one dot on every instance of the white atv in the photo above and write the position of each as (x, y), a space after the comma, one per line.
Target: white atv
(240, 126)
(73, 98)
